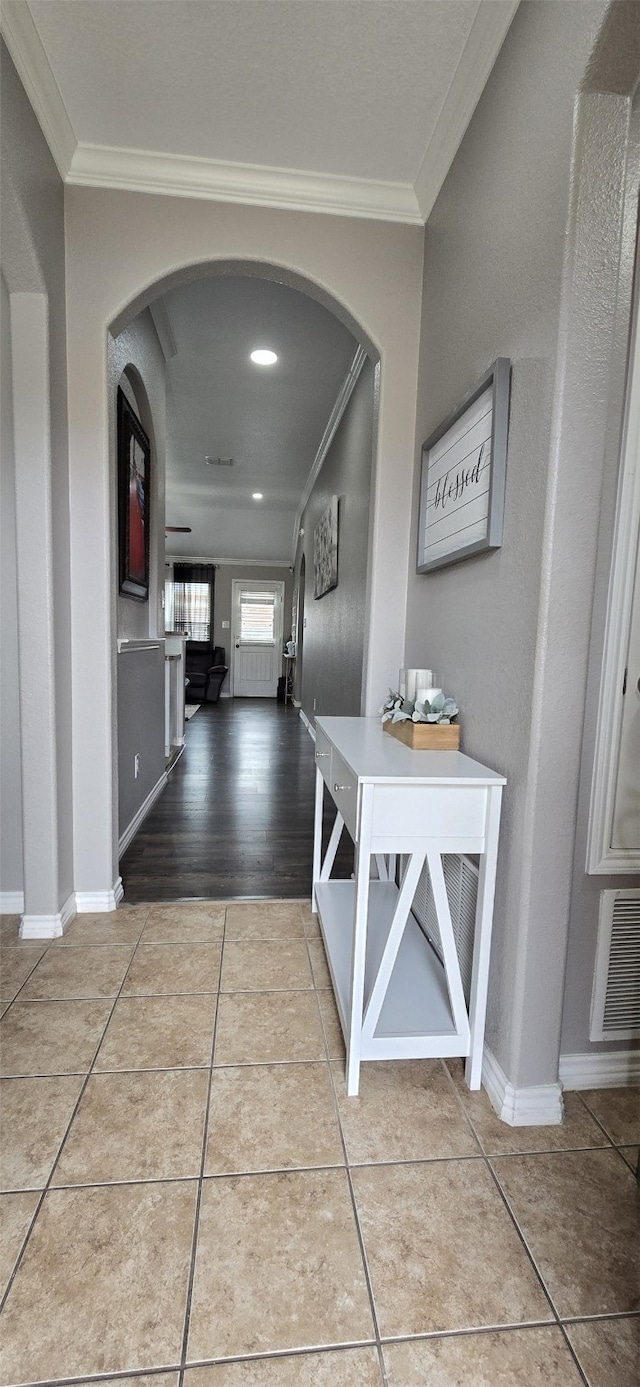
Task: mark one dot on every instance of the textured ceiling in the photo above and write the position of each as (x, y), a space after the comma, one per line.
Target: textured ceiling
(364, 79)
(270, 420)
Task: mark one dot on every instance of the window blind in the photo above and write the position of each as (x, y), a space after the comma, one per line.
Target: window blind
(257, 617)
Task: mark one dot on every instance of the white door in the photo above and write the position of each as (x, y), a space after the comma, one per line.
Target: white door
(257, 638)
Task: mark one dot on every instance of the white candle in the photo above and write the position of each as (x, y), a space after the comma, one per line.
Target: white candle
(427, 695)
(411, 683)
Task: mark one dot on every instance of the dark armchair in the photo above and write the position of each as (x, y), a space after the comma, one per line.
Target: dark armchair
(205, 670)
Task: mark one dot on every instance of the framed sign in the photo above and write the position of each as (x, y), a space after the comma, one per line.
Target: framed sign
(464, 463)
(134, 459)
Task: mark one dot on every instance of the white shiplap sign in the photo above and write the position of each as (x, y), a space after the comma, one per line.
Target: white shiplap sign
(463, 472)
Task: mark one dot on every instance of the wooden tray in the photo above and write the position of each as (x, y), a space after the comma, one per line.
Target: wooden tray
(426, 736)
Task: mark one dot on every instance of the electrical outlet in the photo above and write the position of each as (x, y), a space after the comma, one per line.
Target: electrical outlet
(136, 766)
(225, 625)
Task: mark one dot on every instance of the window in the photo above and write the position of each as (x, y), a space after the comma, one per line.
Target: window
(191, 602)
(192, 609)
(257, 617)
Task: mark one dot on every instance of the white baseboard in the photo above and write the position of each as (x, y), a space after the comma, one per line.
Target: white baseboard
(535, 1106)
(617, 1069)
(311, 730)
(11, 902)
(132, 829)
(99, 902)
(225, 693)
(49, 926)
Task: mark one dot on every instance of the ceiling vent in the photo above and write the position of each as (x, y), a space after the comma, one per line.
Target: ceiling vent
(615, 1004)
(219, 462)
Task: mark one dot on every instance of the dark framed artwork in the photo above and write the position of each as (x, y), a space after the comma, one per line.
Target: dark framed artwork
(134, 475)
(464, 465)
(325, 550)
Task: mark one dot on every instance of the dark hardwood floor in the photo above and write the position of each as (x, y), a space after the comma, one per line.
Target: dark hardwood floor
(236, 817)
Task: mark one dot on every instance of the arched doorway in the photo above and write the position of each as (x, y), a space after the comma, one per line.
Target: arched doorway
(208, 321)
(122, 250)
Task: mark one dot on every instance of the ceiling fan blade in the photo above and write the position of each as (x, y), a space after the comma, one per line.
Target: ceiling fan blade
(177, 529)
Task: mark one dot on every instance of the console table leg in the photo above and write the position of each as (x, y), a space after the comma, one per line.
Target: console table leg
(482, 938)
(317, 839)
(363, 858)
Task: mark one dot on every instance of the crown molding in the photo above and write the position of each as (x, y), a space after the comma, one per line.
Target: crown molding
(486, 37)
(164, 331)
(342, 399)
(34, 70)
(177, 175)
(228, 563)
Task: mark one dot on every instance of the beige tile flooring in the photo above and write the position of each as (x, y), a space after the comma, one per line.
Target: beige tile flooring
(189, 1198)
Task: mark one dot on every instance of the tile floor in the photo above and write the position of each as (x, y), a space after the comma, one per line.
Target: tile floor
(190, 1199)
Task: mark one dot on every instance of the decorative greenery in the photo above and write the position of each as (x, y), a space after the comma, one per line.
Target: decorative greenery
(397, 709)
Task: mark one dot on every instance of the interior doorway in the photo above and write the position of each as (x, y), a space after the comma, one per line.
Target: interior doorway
(257, 609)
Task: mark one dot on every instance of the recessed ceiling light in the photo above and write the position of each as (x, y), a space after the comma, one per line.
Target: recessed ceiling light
(263, 357)
(257, 495)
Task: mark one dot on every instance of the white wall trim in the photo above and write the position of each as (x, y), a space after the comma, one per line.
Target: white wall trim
(597, 1069)
(132, 829)
(311, 730)
(182, 175)
(34, 70)
(486, 36)
(98, 902)
(333, 423)
(49, 926)
(535, 1106)
(11, 902)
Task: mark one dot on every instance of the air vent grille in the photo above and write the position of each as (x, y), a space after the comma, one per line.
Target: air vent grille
(615, 1006)
(461, 881)
(219, 462)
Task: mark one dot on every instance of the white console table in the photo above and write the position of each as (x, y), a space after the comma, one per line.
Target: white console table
(395, 998)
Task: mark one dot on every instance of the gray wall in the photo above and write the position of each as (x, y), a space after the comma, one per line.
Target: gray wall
(140, 727)
(33, 264)
(334, 635)
(136, 362)
(138, 351)
(503, 631)
(11, 874)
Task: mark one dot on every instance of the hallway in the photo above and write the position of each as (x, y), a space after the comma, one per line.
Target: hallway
(185, 1181)
(236, 818)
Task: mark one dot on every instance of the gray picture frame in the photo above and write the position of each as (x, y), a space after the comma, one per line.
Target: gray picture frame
(498, 379)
